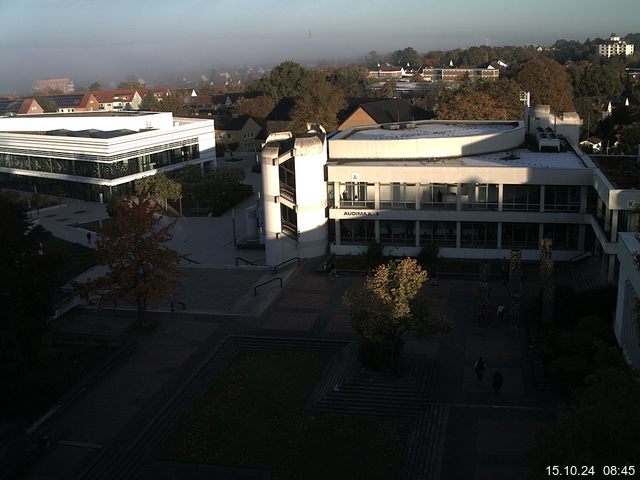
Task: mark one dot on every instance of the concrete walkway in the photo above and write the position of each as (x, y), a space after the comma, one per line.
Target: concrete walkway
(483, 436)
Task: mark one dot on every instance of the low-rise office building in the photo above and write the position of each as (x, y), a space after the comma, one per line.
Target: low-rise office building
(477, 190)
(93, 155)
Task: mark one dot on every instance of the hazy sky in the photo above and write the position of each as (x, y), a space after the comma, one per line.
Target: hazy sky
(106, 40)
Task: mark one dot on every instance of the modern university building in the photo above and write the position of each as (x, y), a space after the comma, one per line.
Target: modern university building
(89, 154)
(476, 189)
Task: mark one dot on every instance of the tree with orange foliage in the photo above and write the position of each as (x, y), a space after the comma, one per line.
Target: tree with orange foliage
(142, 269)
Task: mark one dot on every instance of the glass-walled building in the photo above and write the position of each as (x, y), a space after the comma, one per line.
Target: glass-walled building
(87, 154)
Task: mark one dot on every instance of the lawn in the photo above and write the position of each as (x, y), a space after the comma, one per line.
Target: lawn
(253, 417)
(94, 225)
(30, 388)
(73, 259)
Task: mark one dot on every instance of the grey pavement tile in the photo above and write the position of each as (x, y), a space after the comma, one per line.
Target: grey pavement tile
(179, 332)
(422, 347)
(500, 472)
(512, 377)
(494, 348)
(297, 299)
(281, 320)
(340, 322)
(129, 382)
(505, 437)
(160, 355)
(62, 463)
(94, 423)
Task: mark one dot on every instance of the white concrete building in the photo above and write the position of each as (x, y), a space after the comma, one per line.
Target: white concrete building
(477, 190)
(87, 154)
(614, 47)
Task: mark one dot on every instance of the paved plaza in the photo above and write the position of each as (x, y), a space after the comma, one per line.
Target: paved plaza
(108, 431)
(110, 427)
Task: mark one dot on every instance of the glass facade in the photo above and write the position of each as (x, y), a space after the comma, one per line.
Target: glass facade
(358, 231)
(561, 199)
(357, 195)
(442, 234)
(521, 197)
(398, 195)
(564, 236)
(397, 232)
(103, 170)
(479, 235)
(289, 221)
(479, 196)
(438, 195)
(520, 235)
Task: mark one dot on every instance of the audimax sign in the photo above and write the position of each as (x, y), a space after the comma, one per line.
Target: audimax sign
(359, 213)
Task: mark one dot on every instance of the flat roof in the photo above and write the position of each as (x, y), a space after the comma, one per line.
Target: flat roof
(521, 157)
(99, 113)
(421, 129)
(622, 171)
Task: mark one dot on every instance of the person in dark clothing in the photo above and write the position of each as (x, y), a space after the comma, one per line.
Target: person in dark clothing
(497, 382)
(479, 368)
(89, 238)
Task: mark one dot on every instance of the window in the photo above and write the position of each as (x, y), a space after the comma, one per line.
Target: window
(562, 199)
(357, 231)
(357, 195)
(439, 195)
(442, 234)
(479, 196)
(479, 235)
(398, 195)
(289, 221)
(521, 197)
(397, 232)
(564, 236)
(520, 235)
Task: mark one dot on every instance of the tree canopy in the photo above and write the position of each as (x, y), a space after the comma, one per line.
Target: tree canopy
(320, 103)
(161, 187)
(391, 304)
(142, 270)
(257, 107)
(26, 287)
(288, 79)
(480, 100)
(599, 428)
(547, 81)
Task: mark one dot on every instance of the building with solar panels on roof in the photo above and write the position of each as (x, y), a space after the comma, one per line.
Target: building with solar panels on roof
(92, 155)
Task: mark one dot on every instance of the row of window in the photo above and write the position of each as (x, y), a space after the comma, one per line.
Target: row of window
(472, 235)
(473, 196)
(111, 170)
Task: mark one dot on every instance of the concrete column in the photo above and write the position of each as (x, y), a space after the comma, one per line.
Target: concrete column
(271, 204)
(417, 195)
(458, 234)
(338, 233)
(612, 268)
(499, 235)
(607, 219)
(459, 197)
(542, 198)
(614, 225)
(500, 196)
(540, 233)
(336, 195)
(376, 190)
(583, 199)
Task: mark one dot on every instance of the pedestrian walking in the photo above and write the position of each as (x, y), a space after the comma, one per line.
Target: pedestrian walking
(332, 270)
(500, 313)
(479, 368)
(89, 238)
(497, 382)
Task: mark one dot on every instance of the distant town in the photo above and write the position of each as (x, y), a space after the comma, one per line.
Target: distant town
(416, 265)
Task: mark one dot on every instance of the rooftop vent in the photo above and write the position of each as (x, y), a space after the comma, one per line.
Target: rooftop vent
(391, 126)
